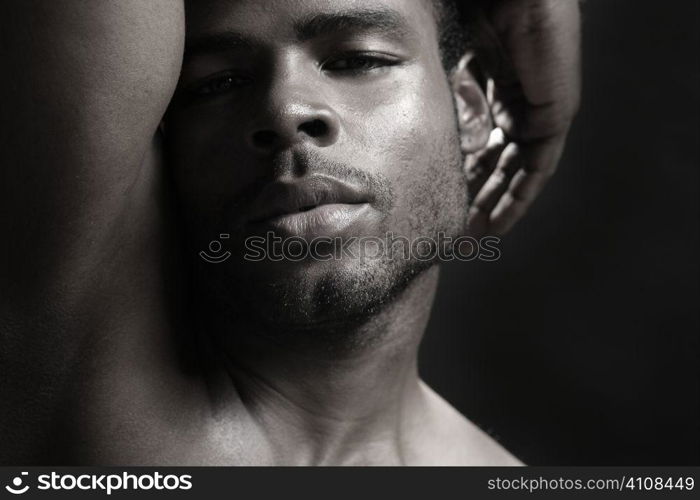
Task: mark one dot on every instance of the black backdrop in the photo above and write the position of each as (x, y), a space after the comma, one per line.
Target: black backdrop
(580, 346)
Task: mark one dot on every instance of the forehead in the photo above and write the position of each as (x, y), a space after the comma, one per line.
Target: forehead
(285, 20)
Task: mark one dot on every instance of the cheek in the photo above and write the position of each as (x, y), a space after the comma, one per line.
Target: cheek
(202, 150)
(399, 118)
(413, 141)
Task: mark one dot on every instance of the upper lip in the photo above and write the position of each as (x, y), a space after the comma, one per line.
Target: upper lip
(283, 198)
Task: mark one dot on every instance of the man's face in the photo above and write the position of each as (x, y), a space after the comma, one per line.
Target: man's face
(314, 119)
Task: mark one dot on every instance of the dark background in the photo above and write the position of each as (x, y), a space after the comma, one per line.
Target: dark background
(580, 346)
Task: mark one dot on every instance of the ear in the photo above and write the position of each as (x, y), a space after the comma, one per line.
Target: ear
(473, 114)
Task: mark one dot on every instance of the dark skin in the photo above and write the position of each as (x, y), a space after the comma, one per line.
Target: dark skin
(377, 93)
(87, 349)
(339, 374)
(534, 95)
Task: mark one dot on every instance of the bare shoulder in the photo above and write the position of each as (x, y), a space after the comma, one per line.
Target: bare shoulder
(451, 439)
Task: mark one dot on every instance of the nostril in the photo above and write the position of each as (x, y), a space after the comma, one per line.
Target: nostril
(314, 128)
(264, 138)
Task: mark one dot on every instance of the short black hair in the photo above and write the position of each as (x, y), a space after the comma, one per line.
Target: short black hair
(461, 26)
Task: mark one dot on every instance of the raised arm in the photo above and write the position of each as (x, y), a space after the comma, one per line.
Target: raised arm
(85, 83)
(84, 86)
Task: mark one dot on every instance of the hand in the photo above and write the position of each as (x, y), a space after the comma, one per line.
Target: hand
(534, 93)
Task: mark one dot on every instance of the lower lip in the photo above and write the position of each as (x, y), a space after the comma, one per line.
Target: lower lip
(330, 220)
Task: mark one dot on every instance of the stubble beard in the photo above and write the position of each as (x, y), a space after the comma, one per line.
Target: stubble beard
(334, 298)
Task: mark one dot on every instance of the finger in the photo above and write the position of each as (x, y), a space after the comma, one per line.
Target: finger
(494, 188)
(508, 107)
(540, 161)
(480, 165)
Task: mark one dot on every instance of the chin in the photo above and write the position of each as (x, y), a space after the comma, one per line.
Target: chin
(316, 295)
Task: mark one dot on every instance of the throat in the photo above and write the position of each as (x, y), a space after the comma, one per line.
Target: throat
(322, 392)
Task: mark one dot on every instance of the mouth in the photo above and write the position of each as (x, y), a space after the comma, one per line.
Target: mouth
(312, 207)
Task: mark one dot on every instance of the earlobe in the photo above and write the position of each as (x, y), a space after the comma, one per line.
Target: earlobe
(473, 114)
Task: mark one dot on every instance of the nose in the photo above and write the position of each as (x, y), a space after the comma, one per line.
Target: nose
(293, 115)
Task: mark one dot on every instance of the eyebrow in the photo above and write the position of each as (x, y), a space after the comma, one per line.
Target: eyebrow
(216, 42)
(384, 21)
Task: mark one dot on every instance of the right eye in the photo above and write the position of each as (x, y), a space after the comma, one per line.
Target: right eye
(219, 84)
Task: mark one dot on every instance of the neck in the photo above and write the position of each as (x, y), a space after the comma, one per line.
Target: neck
(321, 404)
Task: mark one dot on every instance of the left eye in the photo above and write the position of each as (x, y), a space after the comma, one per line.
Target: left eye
(219, 85)
(357, 63)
